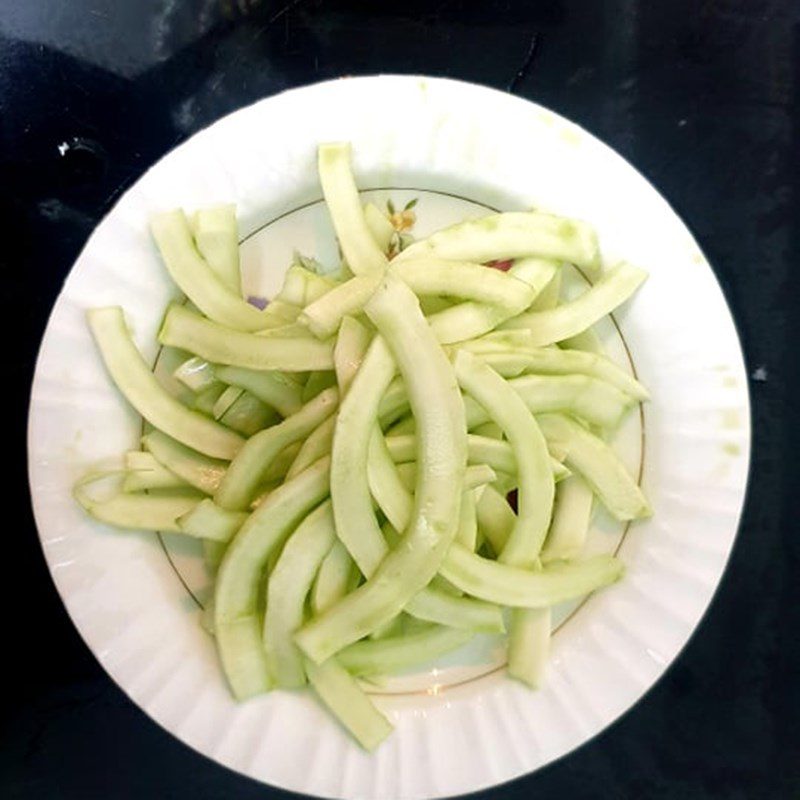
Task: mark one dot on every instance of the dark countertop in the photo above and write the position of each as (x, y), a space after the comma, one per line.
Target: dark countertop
(702, 97)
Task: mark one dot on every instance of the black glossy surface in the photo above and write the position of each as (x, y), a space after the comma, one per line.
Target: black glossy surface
(701, 96)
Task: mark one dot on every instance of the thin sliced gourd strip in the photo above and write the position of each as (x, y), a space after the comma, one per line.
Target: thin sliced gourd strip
(140, 388)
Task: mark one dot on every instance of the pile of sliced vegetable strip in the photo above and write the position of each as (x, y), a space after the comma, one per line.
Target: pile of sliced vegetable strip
(346, 452)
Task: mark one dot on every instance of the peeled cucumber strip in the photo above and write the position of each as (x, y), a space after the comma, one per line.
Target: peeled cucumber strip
(523, 588)
(182, 328)
(464, 280)
(287, 588)
(436, 404)
(194, 468)
(394, 654)
(340, 692)
(301, 286)
(496, 518)
(196, 279)
(144, 472)
(349, 351)
(213, 551)
(568, 319)
(553, 361)
(318, 444)
(599, 465)
(248, 469)
(196, 374)
(248, 415)
(206, 520)
(572, 513)
(595, 401)
(468, 520)
(136, 511)
(317, 383)
(206, 399)
(385, 483)
(513, 235)
(324, 316)
(458, 613)
(216, 235)
(550, 295)
(480, 450)
(586, 340)
(536, 487)
(238, 629)
(356, 524)
(469, 319)
(271, 387)
(333, 579)
(529, 644)
(379, 226)
(475, 475)
(361, 251)
(140, 388)
(278, 314)
(225, 401)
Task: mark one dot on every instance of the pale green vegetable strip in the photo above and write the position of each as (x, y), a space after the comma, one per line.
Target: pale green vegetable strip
(208, 521)
(523, 588)
(213, 551)
(394, 654)
(141, 389)
(200, 471)
(226, 400)
(536, 485)
(468, 520)
(475, 475)
(529, 644)
(469, 319)
(496, 518)
(216, 234)
(360, 249)
(437, 406)
(144, 474)
(289, 583)
(273, 387)
(572, 513)
(248, 415)
(599, 465)
(385, 483)
(238, 631)
(349, 351)
(301, 286)
(196, 280)
(196, 374)
(318, 444)
(513, 235)
(182, 328)
(586, 340)
(379, 226)
(136, 511)
(466, 281)
(340, 692)
(206, 399)
(553, 361)
(480, 450)
(280, 464)
(462, 613)
(530, 628)
(597, 402)
(549, 296)
(324, 316)
(333, 578)
(491, 430)
(317, 383)
(248, 469)
(356, 524)
(279, 313)
(568, 319)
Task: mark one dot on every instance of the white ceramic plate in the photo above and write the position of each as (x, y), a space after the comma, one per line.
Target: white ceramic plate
(459, 147)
